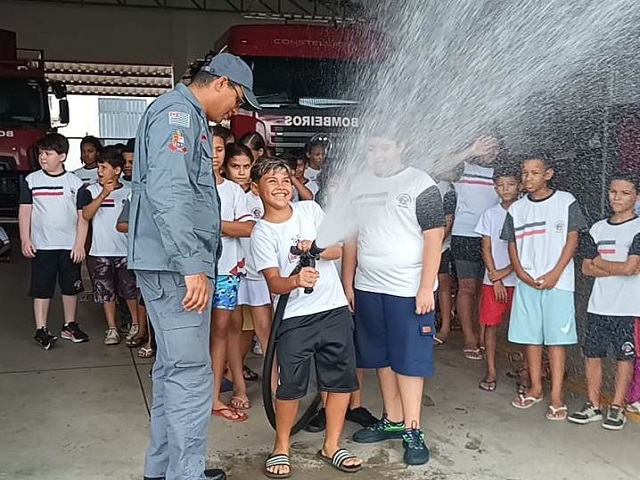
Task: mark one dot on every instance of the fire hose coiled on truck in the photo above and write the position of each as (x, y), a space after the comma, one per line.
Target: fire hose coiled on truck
(307, 259)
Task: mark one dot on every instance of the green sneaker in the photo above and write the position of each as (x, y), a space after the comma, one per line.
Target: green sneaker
(416, 451)
(383, 429)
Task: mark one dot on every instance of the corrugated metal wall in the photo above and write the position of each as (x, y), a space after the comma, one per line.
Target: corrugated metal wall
(119, 118)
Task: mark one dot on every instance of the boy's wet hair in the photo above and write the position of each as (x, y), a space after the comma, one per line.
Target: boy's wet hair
(113, 156)
(545, 158)
(268, 165)
(236, 150)
(90, 139)
(631, 177)
(510, 170)
(53, 142)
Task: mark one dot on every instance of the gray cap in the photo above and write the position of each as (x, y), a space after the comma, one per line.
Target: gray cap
(237, 71)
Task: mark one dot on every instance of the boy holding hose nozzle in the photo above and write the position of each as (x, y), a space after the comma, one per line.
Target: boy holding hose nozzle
(316, 326)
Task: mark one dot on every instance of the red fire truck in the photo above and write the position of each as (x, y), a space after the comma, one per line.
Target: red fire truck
(24, 115)
(303, 78)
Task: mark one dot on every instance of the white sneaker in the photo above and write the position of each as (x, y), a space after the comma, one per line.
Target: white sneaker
(112, 337)
(257, 349)
(133, 331)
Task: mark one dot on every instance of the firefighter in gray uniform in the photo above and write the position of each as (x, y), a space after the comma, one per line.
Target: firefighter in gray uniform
(174, 242)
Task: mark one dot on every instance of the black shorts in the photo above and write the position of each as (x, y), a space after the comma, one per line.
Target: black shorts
(446, 263)
(604, 332)
(467, 256)
(49, 265)
(325, 337)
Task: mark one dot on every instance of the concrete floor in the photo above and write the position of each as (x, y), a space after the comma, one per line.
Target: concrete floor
(80, 412)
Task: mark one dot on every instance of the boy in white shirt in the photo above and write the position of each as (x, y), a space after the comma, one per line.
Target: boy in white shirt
(102, 204)
(542, 230)
(53, 233)
(315, 326)
(613, 258)
(499, 278)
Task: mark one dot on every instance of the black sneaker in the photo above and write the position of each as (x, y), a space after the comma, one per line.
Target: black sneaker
(318, 422)
(44, 337)
(361, 416)
(415, 448)
(587, 414)
(71, 331)
(615, 419)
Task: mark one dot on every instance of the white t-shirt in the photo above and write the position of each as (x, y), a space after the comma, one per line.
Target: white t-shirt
(54, 218)
(233, 208)
(392, 213)
(490, 225)
(311, 185)
(271, 248)
(311, 174)
(257, 211)
(475, 194)
(615, 295)
(106, 241)
(87, 175)
(539, 229)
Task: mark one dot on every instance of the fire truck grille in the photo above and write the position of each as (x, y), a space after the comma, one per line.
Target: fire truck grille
(290, 137)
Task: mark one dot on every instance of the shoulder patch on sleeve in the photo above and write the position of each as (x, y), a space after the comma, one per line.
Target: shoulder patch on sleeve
(180, 119)
(177, 143)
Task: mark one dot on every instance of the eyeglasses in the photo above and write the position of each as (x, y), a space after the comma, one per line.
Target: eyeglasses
(239, 97)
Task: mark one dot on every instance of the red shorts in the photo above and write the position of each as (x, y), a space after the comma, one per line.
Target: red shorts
(491, 311)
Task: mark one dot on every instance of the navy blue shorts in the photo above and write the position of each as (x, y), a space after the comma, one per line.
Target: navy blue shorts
(389, 333)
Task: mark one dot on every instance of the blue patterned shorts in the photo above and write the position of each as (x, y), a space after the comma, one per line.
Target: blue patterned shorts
(226, 295)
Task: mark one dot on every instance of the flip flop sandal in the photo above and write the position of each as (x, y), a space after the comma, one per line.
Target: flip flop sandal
(338, 460)
(488, 385)
(633, 407)
(228, 414)
(277, 460)
(248, 374)
(525, 402)
(144, 352)
(556, 414)
(241, 403)
(473, 354)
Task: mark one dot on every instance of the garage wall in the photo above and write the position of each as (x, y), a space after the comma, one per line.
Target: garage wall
(115, 35)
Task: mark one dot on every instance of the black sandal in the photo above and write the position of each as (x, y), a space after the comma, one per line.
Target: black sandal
(248, 374)
(277, 460)
(488, 385)
(338, 460)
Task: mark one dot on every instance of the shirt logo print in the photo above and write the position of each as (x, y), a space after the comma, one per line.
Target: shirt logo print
(404, 199)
